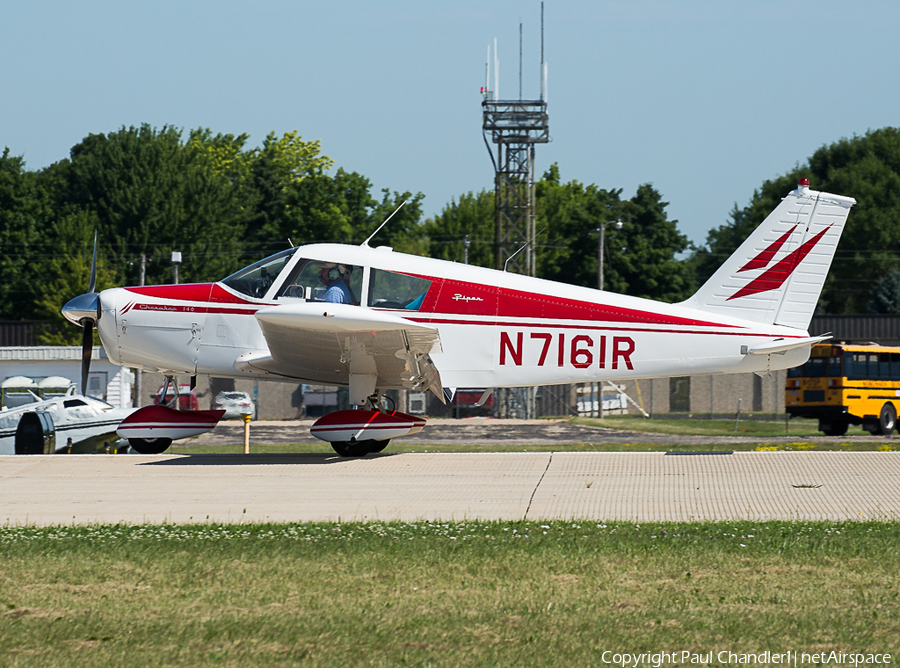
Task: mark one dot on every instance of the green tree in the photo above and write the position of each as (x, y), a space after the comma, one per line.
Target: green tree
(472, 219)
(866, 168)
(886, 294)
(643, 256)
(24, 209)
(570, 215)
(276, 171)
(640, 259)
(66, 274)
(151, 195)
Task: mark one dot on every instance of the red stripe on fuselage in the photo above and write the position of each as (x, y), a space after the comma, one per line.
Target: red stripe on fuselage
(449, 297)
(452, 297)
(592, 327)
(193, 292)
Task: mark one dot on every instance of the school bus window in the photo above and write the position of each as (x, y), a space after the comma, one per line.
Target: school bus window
(834, 367)
(884, 365)
(872, 366)
(815, 367)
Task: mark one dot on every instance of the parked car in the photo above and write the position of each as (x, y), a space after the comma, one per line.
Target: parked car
(235, 404)
(187, 398)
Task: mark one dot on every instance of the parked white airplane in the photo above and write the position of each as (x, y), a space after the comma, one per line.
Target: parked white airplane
(413, 322)
(88, 422)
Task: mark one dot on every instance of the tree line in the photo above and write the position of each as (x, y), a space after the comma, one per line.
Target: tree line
(223, 204)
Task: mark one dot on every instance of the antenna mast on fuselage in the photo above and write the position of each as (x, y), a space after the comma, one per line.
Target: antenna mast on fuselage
(366, 242)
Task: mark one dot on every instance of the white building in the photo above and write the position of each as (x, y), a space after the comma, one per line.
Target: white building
(106, 381)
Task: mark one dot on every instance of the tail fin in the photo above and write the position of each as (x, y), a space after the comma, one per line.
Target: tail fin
(777, 274)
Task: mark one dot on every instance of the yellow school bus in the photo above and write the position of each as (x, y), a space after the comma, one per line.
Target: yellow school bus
(842, 385)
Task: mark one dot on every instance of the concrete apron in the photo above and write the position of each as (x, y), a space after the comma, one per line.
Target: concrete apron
(601, 486)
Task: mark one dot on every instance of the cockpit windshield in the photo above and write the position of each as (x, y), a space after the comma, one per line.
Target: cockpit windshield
(256, 279)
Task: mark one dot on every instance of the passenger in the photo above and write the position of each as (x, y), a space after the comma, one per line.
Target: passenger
(336, 277)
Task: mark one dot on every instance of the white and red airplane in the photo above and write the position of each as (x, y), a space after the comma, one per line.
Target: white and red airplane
(415, 322)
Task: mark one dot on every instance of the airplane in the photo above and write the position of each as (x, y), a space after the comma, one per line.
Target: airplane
(413, 323)
(81, 424)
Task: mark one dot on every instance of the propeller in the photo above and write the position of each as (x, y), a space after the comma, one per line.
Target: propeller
(84, 311)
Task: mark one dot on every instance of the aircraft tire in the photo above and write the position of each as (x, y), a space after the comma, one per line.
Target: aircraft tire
(887, 421)
(149, 446)
(378, 446)
(356, 448)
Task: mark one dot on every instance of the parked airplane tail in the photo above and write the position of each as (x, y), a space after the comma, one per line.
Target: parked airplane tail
(776, 275)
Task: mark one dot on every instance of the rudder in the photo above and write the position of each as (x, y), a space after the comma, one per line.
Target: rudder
(777, 274)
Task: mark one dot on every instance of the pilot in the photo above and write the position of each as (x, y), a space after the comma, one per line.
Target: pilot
(336, 277)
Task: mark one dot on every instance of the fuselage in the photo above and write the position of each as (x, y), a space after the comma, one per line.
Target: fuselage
(496, 329)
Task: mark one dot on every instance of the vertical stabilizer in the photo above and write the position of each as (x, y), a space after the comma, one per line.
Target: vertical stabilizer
(777, 274)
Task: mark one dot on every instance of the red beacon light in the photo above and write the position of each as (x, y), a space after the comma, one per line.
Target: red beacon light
(804, 182)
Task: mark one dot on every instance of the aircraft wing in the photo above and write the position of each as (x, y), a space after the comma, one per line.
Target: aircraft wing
(325, 343)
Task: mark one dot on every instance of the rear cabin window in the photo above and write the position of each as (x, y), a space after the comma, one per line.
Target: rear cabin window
(388, 289)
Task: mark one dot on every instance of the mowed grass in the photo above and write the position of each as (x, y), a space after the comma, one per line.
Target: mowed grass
(700, 425)
(455, 593)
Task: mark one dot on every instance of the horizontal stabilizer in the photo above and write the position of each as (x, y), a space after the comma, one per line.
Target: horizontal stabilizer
(781, 346)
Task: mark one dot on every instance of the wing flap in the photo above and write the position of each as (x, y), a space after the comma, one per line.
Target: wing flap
(325, 343)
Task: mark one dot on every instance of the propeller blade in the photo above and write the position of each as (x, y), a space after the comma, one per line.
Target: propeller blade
(93, 282)
(87, 349)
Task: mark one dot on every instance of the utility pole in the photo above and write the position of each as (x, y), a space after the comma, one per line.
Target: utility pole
(176, 260)
(138, 373)
(601, 249)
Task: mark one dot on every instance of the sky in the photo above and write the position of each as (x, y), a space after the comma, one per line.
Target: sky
(704, 100)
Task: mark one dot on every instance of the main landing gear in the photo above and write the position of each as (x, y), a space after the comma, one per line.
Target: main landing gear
(358, 432)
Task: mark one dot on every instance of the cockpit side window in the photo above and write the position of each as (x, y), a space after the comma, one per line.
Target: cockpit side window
(388, 289)
(318, 281)
(256, 279)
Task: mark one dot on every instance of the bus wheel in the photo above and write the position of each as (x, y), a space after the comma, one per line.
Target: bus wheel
(888, 420)
(836, 428)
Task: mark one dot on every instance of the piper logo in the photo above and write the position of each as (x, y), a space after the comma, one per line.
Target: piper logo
(775, 276)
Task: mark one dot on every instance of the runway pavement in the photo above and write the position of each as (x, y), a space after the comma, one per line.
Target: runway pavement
(601, 486)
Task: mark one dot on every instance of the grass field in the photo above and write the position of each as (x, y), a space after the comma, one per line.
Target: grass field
(702, 426)
(465, 593)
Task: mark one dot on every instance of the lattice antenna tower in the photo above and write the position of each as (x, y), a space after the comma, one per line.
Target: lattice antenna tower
(515, 126)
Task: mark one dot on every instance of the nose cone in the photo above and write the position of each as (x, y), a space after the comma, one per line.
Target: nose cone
(81, 308)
